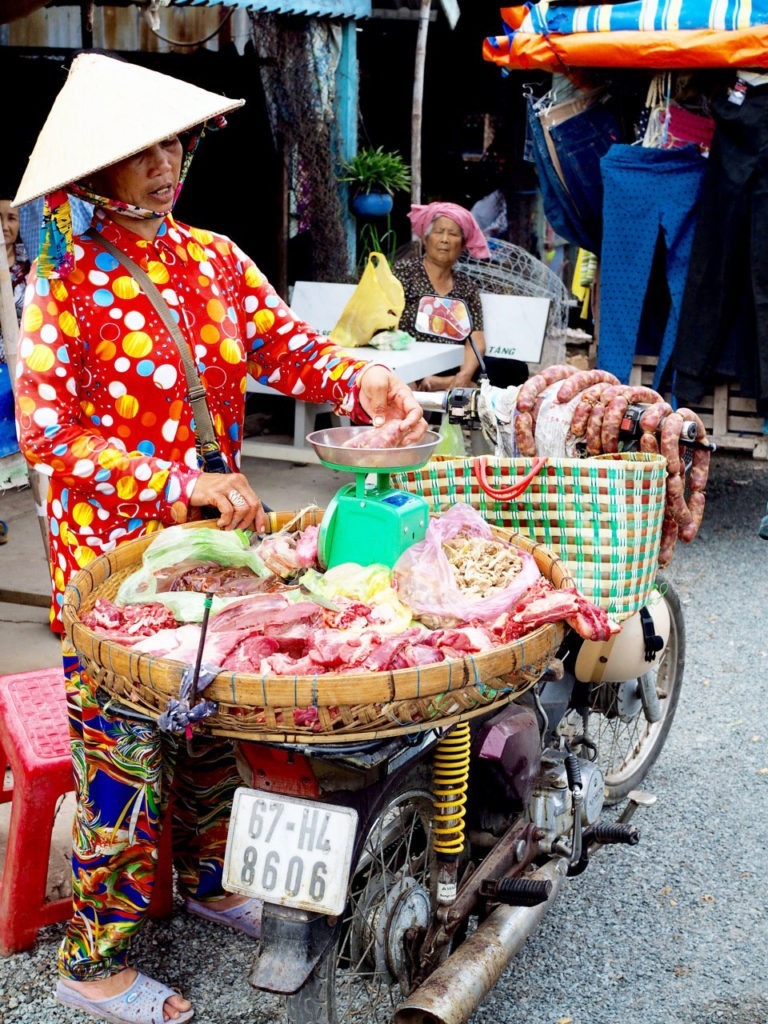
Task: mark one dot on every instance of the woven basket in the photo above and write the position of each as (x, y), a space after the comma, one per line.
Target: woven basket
(601, 515)
(350, 706)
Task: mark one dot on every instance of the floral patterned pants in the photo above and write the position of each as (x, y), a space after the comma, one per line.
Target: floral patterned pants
(127, 775)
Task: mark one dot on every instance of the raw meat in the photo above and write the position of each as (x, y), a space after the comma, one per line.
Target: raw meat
(587, 619)
(386, 436)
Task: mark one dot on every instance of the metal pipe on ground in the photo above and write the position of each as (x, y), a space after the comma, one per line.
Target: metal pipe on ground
(453, 992)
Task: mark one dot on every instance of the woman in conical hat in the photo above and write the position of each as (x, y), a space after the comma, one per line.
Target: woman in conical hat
(103, 411)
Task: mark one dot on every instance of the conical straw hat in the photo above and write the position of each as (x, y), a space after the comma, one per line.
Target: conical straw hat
(107, 110)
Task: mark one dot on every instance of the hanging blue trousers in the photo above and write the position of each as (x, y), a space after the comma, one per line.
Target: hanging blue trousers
(559, 206)
(645, 192)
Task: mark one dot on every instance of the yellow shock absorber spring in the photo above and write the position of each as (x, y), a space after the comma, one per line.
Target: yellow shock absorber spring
(450, 773)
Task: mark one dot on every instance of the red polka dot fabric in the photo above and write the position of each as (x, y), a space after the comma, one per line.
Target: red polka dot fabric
(101, 398)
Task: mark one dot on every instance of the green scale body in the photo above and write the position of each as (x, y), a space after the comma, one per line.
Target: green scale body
(368, 522)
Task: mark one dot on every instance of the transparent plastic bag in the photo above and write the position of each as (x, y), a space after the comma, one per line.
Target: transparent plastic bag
(176, 544)
(369, 584)
(451, 440)
(425, 581)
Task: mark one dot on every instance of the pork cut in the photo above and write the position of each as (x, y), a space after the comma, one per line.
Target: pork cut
(388, 435)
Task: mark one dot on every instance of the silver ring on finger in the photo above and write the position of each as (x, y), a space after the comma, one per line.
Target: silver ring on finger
(236, 498)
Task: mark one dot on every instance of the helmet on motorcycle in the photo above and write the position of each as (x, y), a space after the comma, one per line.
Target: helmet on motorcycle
(624, 655)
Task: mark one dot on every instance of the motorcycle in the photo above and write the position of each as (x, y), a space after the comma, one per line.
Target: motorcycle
(377, 859)
(401, 876)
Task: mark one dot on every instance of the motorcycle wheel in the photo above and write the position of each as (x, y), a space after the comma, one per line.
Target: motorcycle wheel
(618, 723)
(365, 974)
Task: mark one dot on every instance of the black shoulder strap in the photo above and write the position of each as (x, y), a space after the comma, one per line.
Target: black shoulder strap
(195, 390)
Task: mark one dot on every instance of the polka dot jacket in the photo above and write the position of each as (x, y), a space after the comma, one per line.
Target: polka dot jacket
(101, 398)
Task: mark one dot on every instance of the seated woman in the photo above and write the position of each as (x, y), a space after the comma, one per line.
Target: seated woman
(446, 229)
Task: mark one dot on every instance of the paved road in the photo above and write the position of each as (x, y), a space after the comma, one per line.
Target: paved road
(674, 931)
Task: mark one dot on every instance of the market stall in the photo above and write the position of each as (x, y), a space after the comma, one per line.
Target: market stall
(649, 148)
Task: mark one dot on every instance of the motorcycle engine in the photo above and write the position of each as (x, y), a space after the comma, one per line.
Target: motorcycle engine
(551, 804)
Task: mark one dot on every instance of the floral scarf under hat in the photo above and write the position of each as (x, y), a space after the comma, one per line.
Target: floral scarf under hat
(57, 251)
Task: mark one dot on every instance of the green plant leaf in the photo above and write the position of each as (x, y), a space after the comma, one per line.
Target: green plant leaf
(377, 170)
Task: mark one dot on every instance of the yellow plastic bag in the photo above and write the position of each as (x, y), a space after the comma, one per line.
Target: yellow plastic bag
(376, 305)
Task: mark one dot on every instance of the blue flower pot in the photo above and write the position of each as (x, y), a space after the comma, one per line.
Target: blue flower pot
(372, 204)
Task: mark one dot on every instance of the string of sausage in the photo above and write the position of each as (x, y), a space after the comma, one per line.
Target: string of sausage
(526, 401)
(597, 417)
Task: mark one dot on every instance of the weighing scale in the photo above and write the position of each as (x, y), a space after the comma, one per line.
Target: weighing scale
(370, 521)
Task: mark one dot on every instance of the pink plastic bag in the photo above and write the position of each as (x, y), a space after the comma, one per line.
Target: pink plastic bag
(424, 579)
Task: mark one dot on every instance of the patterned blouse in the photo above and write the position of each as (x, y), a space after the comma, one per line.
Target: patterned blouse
(416, 285)
(101, 400)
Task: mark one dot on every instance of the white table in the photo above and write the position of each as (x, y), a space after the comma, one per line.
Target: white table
(420, 360)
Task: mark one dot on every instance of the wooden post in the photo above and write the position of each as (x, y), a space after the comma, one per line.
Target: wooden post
(418, 100)
(10, 330)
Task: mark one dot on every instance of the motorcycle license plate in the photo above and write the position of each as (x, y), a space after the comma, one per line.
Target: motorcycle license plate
(297, 853)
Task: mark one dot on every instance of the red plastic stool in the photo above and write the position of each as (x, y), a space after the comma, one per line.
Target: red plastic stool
(34, 743)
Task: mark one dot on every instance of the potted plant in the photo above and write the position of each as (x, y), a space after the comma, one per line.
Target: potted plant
(374, 175)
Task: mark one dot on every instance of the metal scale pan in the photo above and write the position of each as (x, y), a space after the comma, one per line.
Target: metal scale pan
(369, 521)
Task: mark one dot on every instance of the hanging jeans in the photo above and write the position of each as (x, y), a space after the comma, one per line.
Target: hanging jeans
(724, 322)
(645, 191)
(579, 141)
(558, 206)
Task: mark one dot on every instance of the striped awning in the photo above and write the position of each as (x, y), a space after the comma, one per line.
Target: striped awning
(646, 16)
(311, 8)
(640, 34)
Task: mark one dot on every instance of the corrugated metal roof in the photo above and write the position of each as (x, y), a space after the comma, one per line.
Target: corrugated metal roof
(312, 8)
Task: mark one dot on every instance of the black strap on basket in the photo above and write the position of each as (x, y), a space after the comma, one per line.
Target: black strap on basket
(210, 450)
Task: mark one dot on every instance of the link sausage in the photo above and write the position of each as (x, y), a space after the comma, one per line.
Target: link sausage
(594, 430)
(524, 439)
(668, 539)
(532, 388)
(590, 397)
(581, 379)
(614, 414)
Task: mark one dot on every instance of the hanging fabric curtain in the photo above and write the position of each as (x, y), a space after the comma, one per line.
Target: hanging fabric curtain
(640, 34)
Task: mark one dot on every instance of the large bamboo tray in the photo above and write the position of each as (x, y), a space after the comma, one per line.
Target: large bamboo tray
(350, 706)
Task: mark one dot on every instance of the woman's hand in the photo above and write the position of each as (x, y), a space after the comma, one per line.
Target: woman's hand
(439, 383)
(436, 383)
(385, 397)
(233, 496)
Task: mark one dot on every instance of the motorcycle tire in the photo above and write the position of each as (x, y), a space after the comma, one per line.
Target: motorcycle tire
(365, 973)
(627, 742)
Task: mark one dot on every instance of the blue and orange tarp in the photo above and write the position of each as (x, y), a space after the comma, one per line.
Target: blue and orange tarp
(641, 34)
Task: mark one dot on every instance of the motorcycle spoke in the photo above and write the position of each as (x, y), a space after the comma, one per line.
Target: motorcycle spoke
(356, 979)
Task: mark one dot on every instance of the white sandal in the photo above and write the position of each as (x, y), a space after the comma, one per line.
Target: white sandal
(245, 917)
(141, 1003)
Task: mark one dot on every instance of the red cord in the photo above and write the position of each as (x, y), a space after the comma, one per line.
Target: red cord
(509, 491)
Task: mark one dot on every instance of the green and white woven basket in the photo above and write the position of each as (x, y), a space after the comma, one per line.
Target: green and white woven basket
(602, 515)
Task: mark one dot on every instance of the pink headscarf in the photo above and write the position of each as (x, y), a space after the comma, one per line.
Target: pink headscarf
(474, 239)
